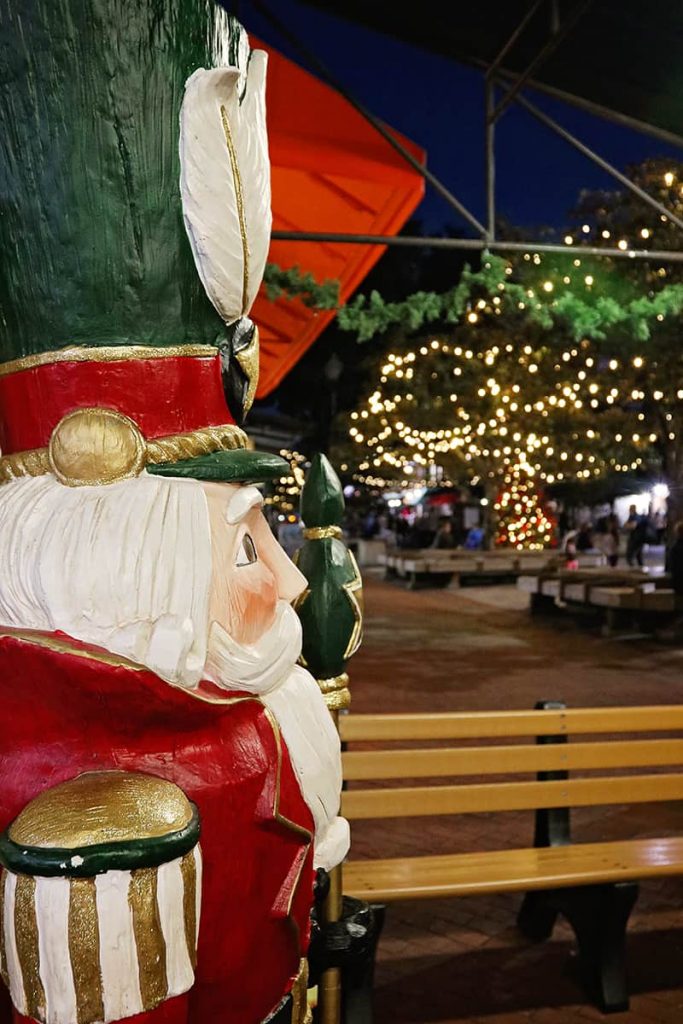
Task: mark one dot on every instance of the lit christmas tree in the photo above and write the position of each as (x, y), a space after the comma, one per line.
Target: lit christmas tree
(568, 362)
(522, 521)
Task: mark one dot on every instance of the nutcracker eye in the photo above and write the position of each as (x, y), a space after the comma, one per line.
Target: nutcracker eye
(246, 552)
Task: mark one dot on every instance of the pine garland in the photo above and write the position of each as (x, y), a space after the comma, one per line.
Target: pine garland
(591, 316)
(295, 283)
(585, 317)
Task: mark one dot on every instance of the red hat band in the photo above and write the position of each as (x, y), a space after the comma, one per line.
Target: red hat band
(95, 415)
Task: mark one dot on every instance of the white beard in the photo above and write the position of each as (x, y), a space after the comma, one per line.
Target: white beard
(259, 667)
(268, 669)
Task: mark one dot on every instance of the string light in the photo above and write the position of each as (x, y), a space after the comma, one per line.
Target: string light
(508, 386)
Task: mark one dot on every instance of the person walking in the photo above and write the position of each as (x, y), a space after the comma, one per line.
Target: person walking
(674, 563)
(610, 541)
(444, 537)
(636, 529)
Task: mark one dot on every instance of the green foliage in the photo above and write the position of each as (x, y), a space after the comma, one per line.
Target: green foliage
(583, 314)
(295, 283)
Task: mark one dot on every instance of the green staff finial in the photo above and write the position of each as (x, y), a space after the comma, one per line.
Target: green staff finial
(331, 607)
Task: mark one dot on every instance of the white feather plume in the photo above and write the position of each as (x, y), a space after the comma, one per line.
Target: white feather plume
(225, 181)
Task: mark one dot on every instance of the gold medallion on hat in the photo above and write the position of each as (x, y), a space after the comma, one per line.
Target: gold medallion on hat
(94, 446)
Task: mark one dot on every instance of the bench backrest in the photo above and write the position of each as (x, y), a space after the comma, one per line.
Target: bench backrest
(553, 754)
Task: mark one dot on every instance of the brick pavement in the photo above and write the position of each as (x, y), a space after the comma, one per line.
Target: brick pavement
(463, 960)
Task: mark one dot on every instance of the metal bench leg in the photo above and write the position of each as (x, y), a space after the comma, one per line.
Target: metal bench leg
(537, 916)
(358, 977)
(542, 604)
(599, 915)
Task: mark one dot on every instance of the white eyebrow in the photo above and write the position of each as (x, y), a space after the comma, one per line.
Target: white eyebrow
(241, 502)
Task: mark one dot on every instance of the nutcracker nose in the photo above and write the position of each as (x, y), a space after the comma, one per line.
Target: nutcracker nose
(290, 581)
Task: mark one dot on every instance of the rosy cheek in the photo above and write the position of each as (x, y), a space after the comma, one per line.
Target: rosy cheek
(252, 602)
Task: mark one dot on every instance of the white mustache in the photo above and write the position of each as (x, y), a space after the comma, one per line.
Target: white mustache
(258, 667)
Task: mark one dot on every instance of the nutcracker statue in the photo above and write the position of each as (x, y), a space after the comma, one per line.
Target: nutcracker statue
(169, 774)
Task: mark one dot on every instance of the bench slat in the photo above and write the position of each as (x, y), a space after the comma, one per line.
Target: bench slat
(513, 870)
(479, 724)
(419, 801)
(361, 765)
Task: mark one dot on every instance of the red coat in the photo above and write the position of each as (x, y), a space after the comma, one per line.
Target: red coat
(79, 709)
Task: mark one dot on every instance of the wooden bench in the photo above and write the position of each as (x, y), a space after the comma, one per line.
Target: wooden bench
(631, 597)
(592, 884)
(434, 566)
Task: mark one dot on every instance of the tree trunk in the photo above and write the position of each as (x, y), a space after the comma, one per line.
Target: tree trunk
(489, 515)
(674, 479)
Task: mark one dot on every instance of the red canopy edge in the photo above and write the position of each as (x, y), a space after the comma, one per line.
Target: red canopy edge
(331, 171)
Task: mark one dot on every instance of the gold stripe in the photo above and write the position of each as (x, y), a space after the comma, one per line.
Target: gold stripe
(84, 950)
(3, 954)
(59, 646)
(299, 829)
(172, 448)
(354, 592)
(322, 532)
(239, 199)
(149, 938)
(188, 870)
(105, 354)
(299, 995)
(26, 932)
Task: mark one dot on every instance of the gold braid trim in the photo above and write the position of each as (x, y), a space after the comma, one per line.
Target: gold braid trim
(322, 532)
(177, 447)
(335, 683)
(30, 463)
(173, 448)
(338, 701)
(336, 692)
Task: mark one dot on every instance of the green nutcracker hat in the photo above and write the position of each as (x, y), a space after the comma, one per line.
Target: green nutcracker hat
(135, 222)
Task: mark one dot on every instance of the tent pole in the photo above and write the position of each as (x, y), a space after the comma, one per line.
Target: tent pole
(490, 137)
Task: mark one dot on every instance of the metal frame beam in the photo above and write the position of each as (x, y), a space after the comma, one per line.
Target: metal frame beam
(477, 245)
(540, 57)
(503, 52)
(490, 125)
(549, 122)
(494, 74)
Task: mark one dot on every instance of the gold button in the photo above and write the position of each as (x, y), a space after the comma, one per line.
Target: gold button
(95, 446)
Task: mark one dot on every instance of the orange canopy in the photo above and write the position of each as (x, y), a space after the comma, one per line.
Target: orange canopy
(331, 171)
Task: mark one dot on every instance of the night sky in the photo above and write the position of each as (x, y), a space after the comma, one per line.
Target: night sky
(439, 104)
